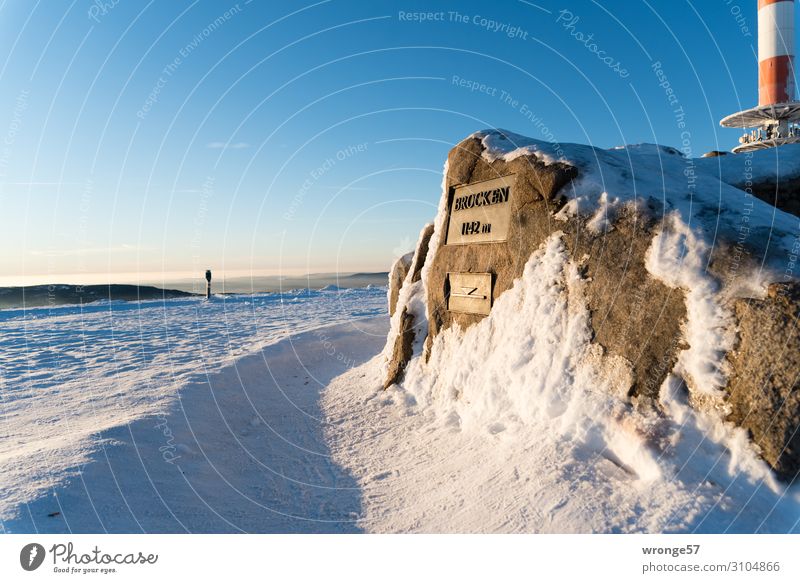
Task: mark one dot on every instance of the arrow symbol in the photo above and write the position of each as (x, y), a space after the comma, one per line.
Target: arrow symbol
(468, 292)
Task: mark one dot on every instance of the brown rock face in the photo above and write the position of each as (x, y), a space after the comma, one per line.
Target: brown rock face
(402, 350)
(764, 388)
(633, 315)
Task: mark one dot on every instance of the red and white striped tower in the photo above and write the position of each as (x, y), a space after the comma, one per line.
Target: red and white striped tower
(775, 51)
(777, 107)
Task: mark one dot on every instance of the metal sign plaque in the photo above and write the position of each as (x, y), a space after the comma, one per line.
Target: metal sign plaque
(480, 212)
(470, 293)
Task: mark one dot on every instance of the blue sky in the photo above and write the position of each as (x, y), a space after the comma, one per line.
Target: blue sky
(149, 140)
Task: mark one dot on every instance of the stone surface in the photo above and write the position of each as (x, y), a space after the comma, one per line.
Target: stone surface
(764, 388)
(402, 350)
(784, 194)
(421, 253)
(397, 276)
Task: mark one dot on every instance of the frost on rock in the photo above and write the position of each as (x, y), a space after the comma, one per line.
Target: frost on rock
(531, 363)
(620, 273)
(679, 258)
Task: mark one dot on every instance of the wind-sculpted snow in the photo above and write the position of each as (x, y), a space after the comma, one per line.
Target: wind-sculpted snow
(69, 372)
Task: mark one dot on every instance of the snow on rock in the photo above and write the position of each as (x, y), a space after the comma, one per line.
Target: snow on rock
(772, 175)
(769, 165)
(613, 292)
(705, 239)
(634, 174)
(520, 364)
(515, 425)
(397, 276)
(678, 257)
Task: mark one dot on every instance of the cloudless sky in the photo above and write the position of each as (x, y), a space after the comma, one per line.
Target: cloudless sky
(147, 140)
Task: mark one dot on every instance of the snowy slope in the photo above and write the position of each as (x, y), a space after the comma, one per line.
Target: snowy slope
(762, 165)
(69, 373)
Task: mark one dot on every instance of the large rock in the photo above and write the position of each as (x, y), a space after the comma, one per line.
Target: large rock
(637, 318)
(633, 315)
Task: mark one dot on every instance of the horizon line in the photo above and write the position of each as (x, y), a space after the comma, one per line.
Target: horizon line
(156, 277)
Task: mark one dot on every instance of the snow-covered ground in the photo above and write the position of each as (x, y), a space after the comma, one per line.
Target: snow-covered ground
(87, 390)
(297, 436)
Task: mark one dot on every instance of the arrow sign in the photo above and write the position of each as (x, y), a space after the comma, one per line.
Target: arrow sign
(468, 292)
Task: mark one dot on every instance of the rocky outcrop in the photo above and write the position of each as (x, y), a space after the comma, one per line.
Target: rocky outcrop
(647, 311)
(771, 175)
(401, 350)
(633, 315)
(534, 203)
(783, 194)
(420, 254)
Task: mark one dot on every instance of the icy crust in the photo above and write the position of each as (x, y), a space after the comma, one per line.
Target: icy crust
(530, 369)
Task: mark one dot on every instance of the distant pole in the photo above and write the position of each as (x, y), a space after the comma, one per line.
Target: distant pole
(208, 284)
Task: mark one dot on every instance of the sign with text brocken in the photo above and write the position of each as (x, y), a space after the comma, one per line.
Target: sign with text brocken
(480, 212)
